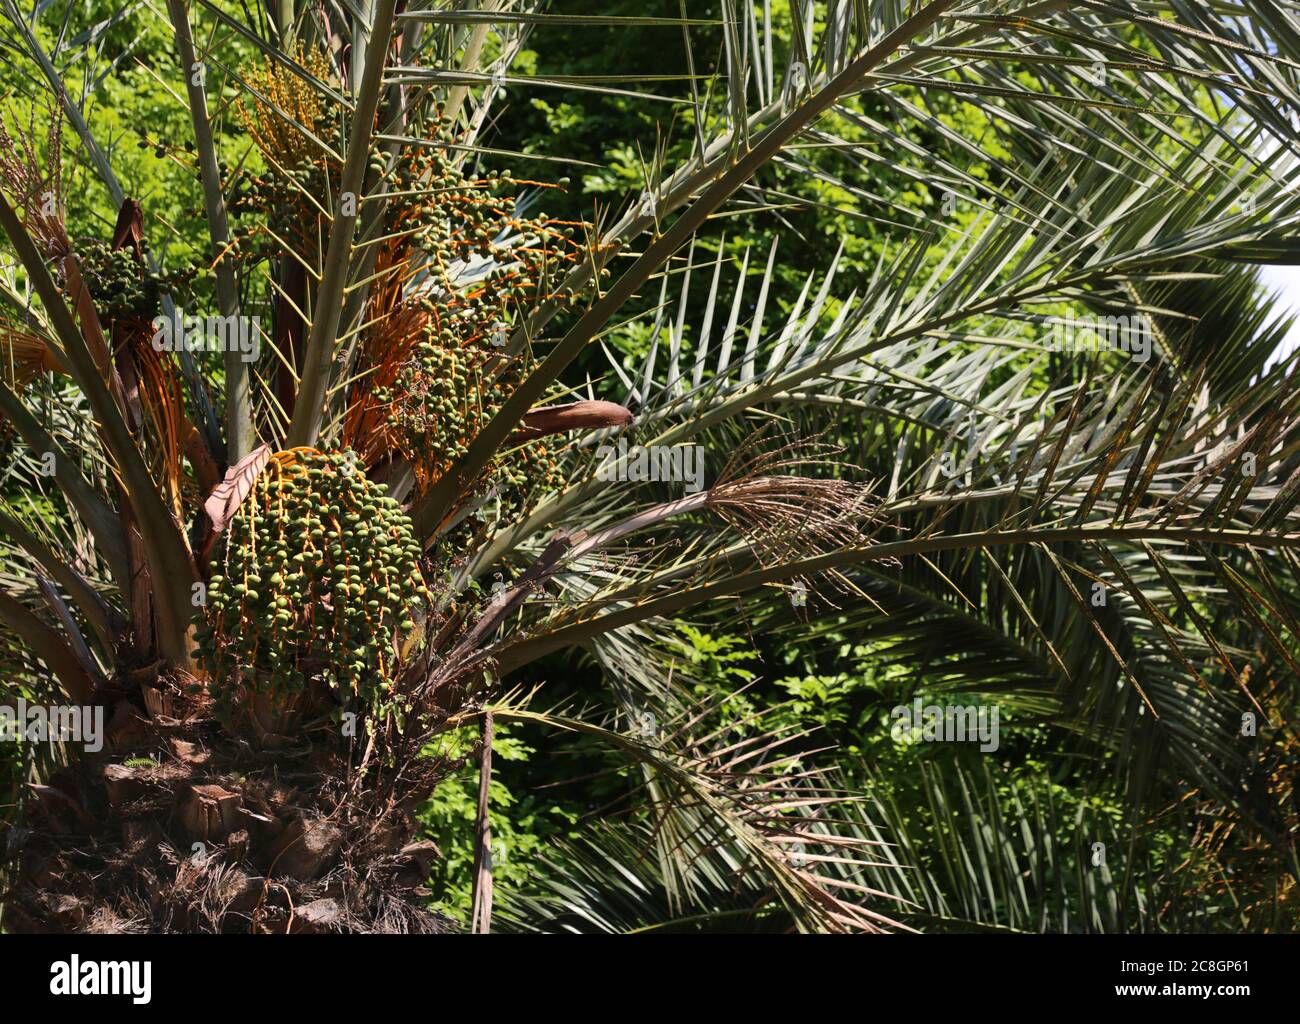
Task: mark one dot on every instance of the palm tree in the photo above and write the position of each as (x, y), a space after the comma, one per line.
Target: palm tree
(288, 572)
